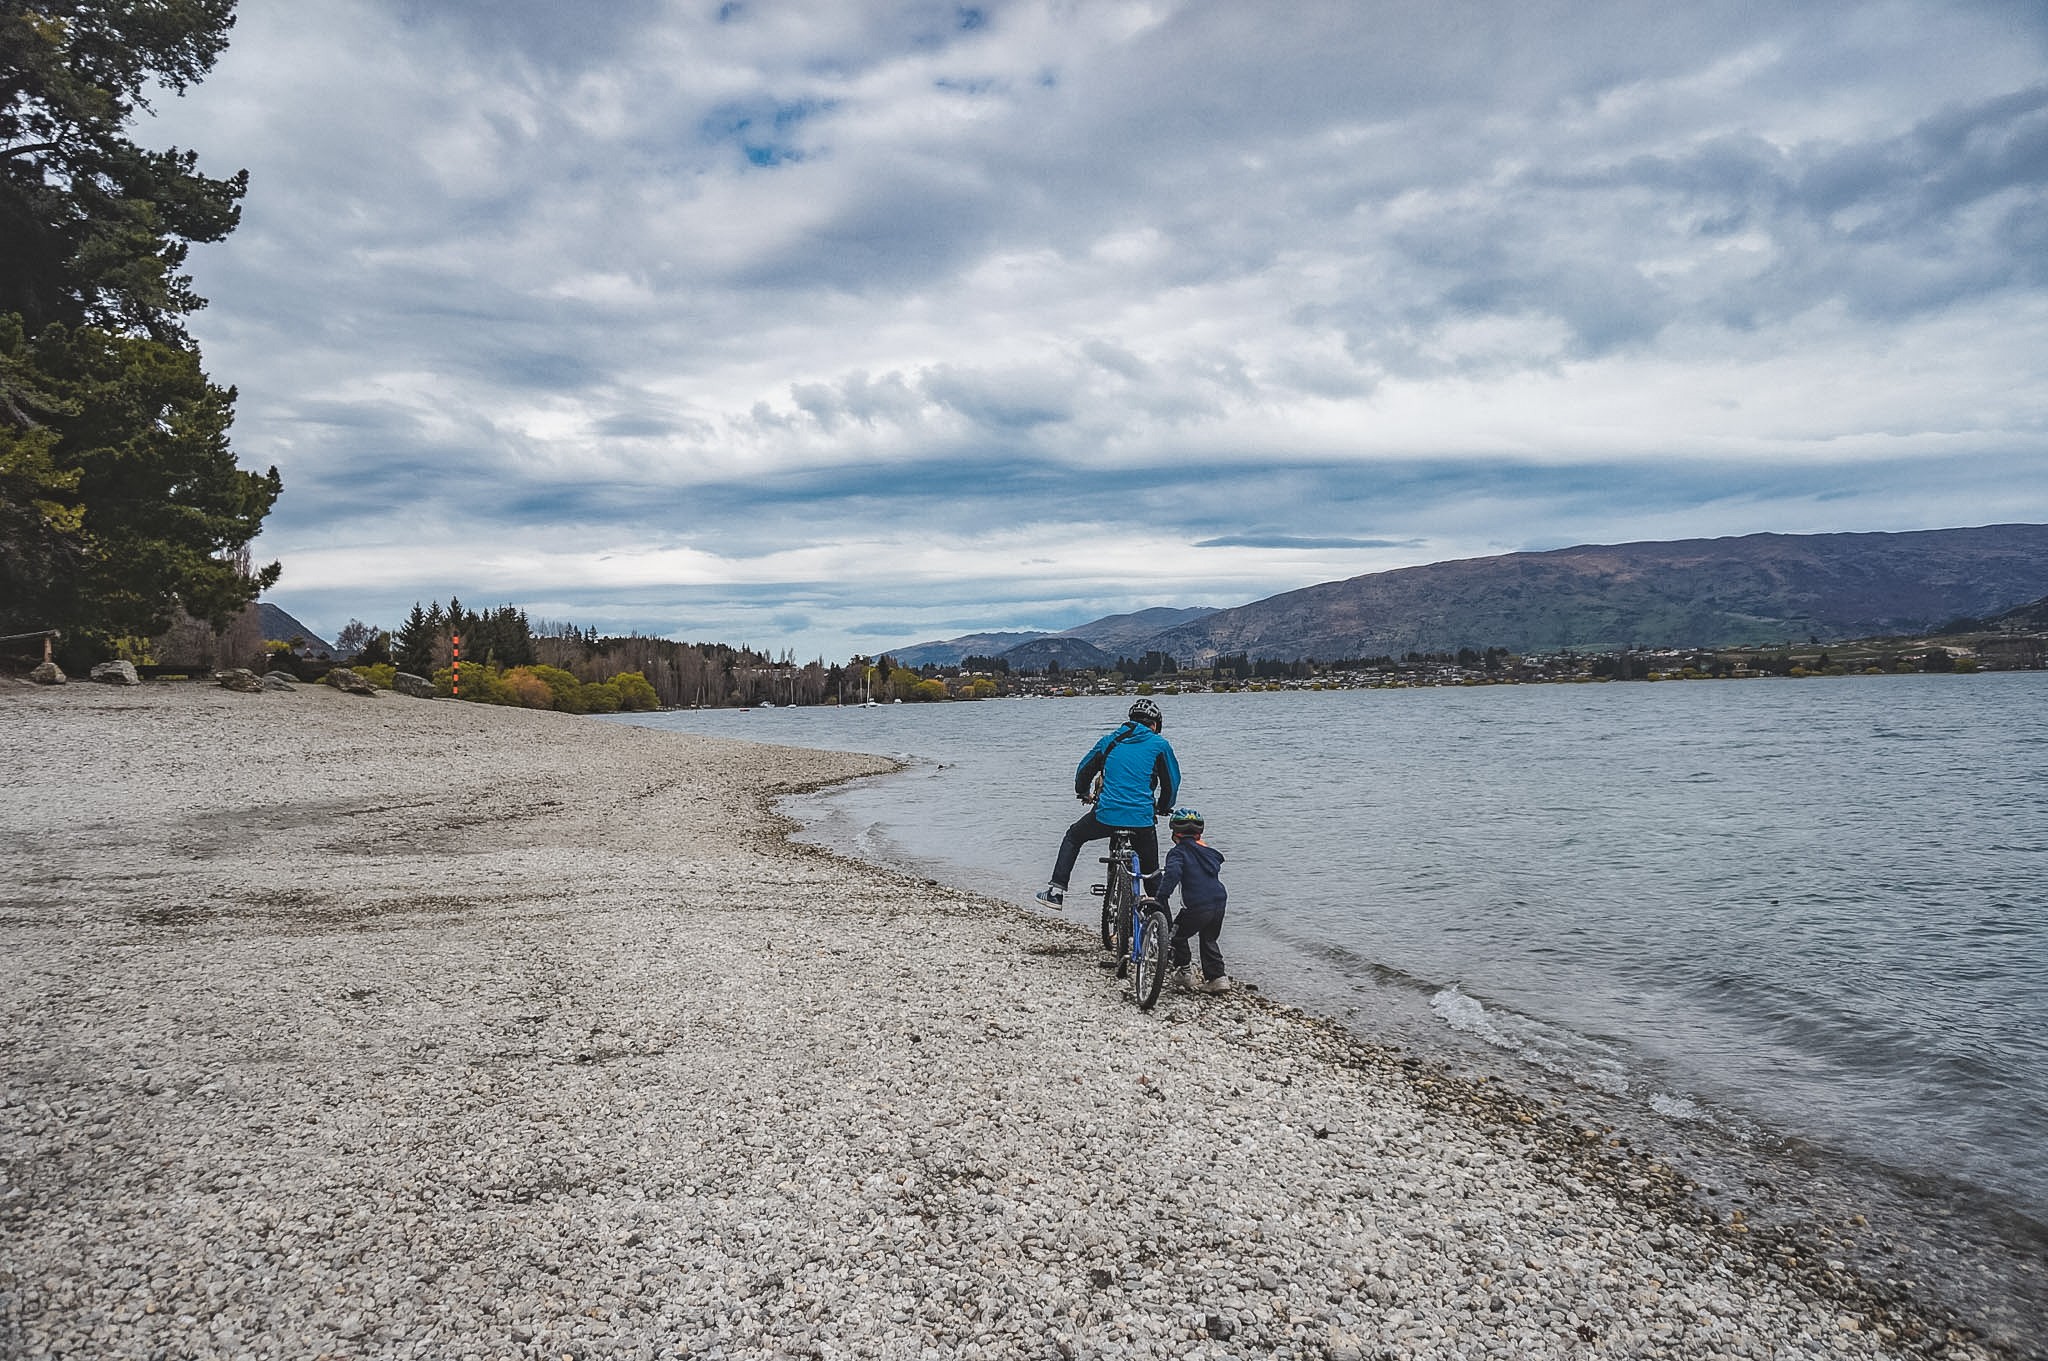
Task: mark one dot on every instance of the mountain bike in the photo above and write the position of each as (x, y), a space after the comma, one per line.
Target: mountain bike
(1135, 930)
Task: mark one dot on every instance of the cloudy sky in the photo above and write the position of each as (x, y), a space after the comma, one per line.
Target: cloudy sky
(832, 325)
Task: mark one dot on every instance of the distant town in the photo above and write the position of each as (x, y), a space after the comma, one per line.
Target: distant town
(1158, 674)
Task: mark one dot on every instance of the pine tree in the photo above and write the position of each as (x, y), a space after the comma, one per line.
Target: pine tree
(413, 648)
(120, 500)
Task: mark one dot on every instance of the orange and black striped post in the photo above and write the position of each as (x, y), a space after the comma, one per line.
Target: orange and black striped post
(455, 686)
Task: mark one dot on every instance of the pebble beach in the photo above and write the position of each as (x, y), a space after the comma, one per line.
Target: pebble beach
(350, 1027)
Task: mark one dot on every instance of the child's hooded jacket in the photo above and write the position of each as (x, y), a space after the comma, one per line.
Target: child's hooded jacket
(1193, 867)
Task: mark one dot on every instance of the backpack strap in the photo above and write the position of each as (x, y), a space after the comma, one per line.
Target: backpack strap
(1085, 777)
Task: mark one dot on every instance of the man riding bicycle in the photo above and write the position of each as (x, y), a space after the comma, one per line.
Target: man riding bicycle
(1138, 778)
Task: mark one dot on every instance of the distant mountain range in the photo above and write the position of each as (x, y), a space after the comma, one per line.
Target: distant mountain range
(279, 627)
(1128, 635)
(1758, 588)
(1111, 636)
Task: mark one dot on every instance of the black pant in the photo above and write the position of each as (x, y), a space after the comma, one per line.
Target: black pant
(1206, 922)
(1088, 829)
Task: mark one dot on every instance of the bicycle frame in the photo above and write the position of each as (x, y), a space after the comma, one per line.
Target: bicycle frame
(1137, 932)
(1126, 927)
(1123, 854)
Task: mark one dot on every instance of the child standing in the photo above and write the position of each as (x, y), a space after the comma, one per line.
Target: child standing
(1192, 866)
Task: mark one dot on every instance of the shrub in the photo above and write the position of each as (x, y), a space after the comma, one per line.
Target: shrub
(527, 690)
(634, 691)
(482, 684)
(567, 690)
(599, 697)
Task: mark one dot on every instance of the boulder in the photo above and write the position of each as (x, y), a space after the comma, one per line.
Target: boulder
(419, 687)
(116, 673)
(348, 682)
(279, 680)
(240, 678)
(49, 673)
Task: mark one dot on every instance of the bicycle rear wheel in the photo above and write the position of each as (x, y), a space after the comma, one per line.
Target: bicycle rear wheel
(1109, 897)
(1126, 922)
(1151, 962)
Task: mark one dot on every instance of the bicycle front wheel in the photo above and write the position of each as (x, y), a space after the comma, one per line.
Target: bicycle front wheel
(1149, 972)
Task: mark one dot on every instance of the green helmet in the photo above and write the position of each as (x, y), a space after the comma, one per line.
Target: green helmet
(1184, 820)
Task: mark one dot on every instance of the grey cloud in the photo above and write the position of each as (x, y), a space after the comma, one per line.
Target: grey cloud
(536, 30)
(635, 426)
(1009, 402)
(858, 398)
(1116, 359)
(552, 371)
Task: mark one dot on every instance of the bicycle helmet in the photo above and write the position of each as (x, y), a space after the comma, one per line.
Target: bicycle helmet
(1146, 712)
(1185, 820)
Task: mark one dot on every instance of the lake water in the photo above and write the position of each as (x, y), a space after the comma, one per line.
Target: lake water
(1788, 912)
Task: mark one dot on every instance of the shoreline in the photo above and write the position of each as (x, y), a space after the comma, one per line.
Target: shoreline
(1877, 1231)
(1960, 1246)
(305, 1056)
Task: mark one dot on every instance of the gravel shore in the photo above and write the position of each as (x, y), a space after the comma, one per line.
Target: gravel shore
(344, 1027)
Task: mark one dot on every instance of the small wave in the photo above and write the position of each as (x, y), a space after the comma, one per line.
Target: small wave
(1679, 1108)
(1468, 1015)
(1582, 1064)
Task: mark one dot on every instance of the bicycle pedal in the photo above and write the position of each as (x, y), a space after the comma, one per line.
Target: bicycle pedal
(1098, 889)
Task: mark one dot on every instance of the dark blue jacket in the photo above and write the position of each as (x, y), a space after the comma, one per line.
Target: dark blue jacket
(1193, 867)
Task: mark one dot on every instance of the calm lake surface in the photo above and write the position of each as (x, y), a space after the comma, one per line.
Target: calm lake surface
(1783, 910)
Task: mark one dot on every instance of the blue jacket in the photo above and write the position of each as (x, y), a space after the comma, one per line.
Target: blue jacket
(1192, 867)
(1139, 776)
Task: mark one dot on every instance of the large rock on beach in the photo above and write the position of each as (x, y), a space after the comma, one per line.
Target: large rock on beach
(116, 673)
(406, 683)
(280, 680)
(49, 673)
(239, 678)
(350, 682)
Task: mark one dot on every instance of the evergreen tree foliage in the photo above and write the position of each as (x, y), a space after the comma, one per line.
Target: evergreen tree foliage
(120, 500)
(413, 647)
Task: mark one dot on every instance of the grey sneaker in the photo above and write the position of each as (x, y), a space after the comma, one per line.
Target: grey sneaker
(1217, 984)
(1053, 896)
(1188, 979)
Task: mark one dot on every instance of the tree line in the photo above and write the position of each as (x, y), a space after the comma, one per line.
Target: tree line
(502, 640)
